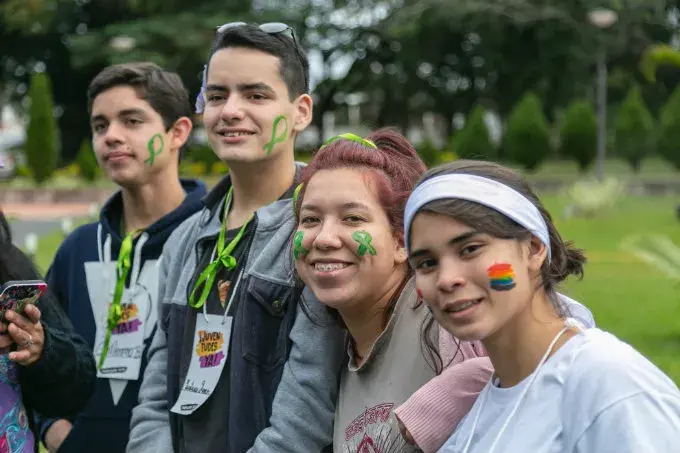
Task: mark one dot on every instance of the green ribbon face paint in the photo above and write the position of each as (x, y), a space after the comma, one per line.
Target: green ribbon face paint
(155, 147)
(269, 146)
(298, 249)
(364, 239)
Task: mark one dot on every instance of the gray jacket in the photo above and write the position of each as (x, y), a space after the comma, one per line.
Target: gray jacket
(300, 361)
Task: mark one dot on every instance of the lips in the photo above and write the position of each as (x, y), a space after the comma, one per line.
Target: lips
(234, 133)
(329, 267)
(461, 305)
(117, 155)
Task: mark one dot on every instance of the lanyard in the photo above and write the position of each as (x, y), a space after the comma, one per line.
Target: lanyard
(115, 311)
(224, 258)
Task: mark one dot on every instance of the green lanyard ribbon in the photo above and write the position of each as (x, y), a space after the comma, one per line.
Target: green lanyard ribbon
(224, 258)
(123, 265)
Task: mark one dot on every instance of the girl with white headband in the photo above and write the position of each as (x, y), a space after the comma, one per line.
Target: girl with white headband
(488, 260)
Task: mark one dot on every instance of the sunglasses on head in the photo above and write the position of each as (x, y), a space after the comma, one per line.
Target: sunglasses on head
(273, 28)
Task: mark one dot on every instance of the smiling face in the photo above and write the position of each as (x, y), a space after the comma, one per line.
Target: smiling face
(475, 283)
(248, 114)
(347, 254)
(130, 140)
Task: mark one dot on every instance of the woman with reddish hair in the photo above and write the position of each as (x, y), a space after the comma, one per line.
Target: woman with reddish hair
(349, 251)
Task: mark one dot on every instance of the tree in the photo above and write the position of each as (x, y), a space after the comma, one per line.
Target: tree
(42, 152)
(634, 128)
(87, 162)
(669, 134)
(578, 135)
(474, 142)
(527, 140)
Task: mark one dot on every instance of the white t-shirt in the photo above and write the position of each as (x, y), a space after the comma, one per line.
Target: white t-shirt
(596, 394)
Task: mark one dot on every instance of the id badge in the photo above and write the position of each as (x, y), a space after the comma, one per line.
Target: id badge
(208, 355)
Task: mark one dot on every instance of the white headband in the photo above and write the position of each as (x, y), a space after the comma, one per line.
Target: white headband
(480, 190)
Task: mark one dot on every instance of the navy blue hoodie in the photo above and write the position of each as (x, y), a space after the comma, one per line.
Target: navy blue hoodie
(102, 426)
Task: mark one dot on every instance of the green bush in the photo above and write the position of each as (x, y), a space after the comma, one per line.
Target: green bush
(473, 141)
(201, 154)
(669, 134)
(429, 153)
(634, 129)
(578, 134)
(87, 162)
(42, 152)
(527, 140)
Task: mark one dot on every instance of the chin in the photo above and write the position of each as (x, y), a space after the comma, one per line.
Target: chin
(333, 298)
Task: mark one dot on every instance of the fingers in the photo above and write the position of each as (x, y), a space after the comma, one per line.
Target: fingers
(22, 356)
(18, 319)
(20, 336)
(3, 328)
(32, 313)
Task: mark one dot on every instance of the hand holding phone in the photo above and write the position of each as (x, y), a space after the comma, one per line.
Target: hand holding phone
(15, 295)
(20, 317)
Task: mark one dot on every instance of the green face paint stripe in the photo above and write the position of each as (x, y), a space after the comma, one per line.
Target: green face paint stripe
(155, 147)
(269, 146)
(364, 239)
(351, 137)
(298, 249)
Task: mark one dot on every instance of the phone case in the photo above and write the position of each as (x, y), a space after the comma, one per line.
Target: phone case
(15, 295)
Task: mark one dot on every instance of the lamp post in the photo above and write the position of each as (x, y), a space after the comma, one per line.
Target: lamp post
(602, 19)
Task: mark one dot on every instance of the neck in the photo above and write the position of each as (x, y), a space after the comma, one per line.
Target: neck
(365, 321)
(256, 185)
(517, 348)
(144, 205)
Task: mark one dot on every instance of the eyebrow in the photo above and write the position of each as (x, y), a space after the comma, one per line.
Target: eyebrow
(348, 205)
(454, 241)
(125, 112)
(241, 87)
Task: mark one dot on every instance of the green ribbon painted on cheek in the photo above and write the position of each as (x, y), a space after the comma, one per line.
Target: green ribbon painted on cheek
(364, 239)
(269, 146)
(155, 147)
(298, 248)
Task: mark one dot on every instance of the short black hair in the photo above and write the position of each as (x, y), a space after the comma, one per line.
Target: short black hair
(293, 62)
(163, 90)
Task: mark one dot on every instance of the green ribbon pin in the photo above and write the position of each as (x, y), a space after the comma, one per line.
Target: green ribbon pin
(224, 258)
(298, 249)
(115, 311)
(364, 239)
(269, 146)
(351, 137)
(155, 147)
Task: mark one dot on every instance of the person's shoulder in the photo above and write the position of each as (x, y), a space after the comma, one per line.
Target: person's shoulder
(603, 369)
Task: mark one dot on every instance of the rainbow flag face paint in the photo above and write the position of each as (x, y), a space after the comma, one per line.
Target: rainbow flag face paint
(501, 277)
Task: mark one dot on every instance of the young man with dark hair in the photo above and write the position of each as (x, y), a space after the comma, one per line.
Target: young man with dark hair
(105, 274)
(231, 327)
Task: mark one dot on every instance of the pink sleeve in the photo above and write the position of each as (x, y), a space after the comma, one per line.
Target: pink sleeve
(432, 413)
(453, 351)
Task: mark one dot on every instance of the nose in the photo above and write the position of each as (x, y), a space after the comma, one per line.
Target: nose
(450, 276)
(327, 237)
(232, 109)
(114, 134)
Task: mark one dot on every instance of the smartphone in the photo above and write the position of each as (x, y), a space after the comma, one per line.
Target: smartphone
(15, 295)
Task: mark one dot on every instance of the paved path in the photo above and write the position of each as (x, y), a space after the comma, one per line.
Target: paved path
(40, 218)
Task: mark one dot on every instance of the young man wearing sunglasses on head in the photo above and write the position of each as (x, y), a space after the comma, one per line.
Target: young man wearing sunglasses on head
(230, 325)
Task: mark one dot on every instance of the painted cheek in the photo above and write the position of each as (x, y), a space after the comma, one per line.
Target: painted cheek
(501, 277)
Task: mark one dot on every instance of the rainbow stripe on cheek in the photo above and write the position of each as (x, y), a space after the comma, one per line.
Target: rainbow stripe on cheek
(501, 277)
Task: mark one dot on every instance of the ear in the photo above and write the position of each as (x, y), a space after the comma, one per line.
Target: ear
(401, 256)
(538, 253)
(304, 105)
(179, 133)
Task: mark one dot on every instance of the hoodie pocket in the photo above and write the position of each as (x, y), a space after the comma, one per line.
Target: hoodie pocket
(265, 336)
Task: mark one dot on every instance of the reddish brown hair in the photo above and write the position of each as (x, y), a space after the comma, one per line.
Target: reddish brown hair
(394, 168)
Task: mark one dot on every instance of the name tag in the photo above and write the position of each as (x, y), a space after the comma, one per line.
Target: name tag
(209, 353)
